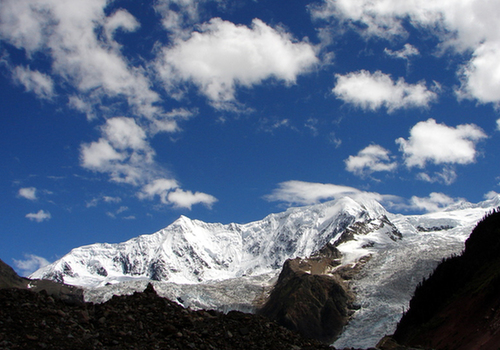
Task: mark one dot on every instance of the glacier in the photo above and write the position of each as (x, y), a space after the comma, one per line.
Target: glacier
(233, 266)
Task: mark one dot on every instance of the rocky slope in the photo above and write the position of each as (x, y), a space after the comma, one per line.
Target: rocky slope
(458, 306)
(30, 320)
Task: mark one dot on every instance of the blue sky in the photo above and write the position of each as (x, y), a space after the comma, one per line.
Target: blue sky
(120, 116)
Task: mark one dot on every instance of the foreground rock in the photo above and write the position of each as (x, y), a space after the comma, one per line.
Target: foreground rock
(31, 320)
(458, 306)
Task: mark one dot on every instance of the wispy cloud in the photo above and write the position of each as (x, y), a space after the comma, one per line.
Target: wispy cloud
(405, 53)
(33, 81)
(40, 216)
(295, 192)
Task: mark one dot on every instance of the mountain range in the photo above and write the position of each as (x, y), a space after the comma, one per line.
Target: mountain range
(233, 266)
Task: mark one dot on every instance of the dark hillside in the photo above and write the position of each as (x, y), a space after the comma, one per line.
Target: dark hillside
(458, 306)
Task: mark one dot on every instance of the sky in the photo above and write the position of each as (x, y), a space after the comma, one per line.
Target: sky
(119, 116)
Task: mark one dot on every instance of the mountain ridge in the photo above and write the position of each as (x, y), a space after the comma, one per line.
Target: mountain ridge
(211, 251)
(232, 266)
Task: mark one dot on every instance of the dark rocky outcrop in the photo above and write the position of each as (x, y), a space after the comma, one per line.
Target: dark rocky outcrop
(309, 299)
(458, 306)
(10, 279)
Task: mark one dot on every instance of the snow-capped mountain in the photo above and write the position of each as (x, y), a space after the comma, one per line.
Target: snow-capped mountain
(192, 251)
(210, 265)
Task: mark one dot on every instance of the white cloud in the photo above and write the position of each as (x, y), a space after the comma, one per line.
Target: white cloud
(169, 192)
(447, 176)
(30, 264)
(34, 81)
(109, 199)
(434, 202)
(440, 144)
(405, 53)
(158, 187)
(221, 56)
(179, 14)
(481, 75)
(122, 152)
(106, 199)
(498, 124)
(465, 26)
(99, 155)
(42, 215)
(374, 91)
(28, 193)
(124, 133)
(91, 63)
(304, 193)
(491, 195)
(371, 159)
(186, 199)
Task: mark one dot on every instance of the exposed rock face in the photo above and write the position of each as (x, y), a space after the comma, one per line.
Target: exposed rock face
(458, 306)
(308, 299)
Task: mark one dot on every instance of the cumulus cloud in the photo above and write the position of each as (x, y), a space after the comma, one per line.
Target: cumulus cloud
(434, 202)
(40, 216)
(371, 159)
(481, 75)
(372, 91)
(463, 26)
(30, 264)
(34, 81)
(440, 144)
(222, 55)
(28, 193)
